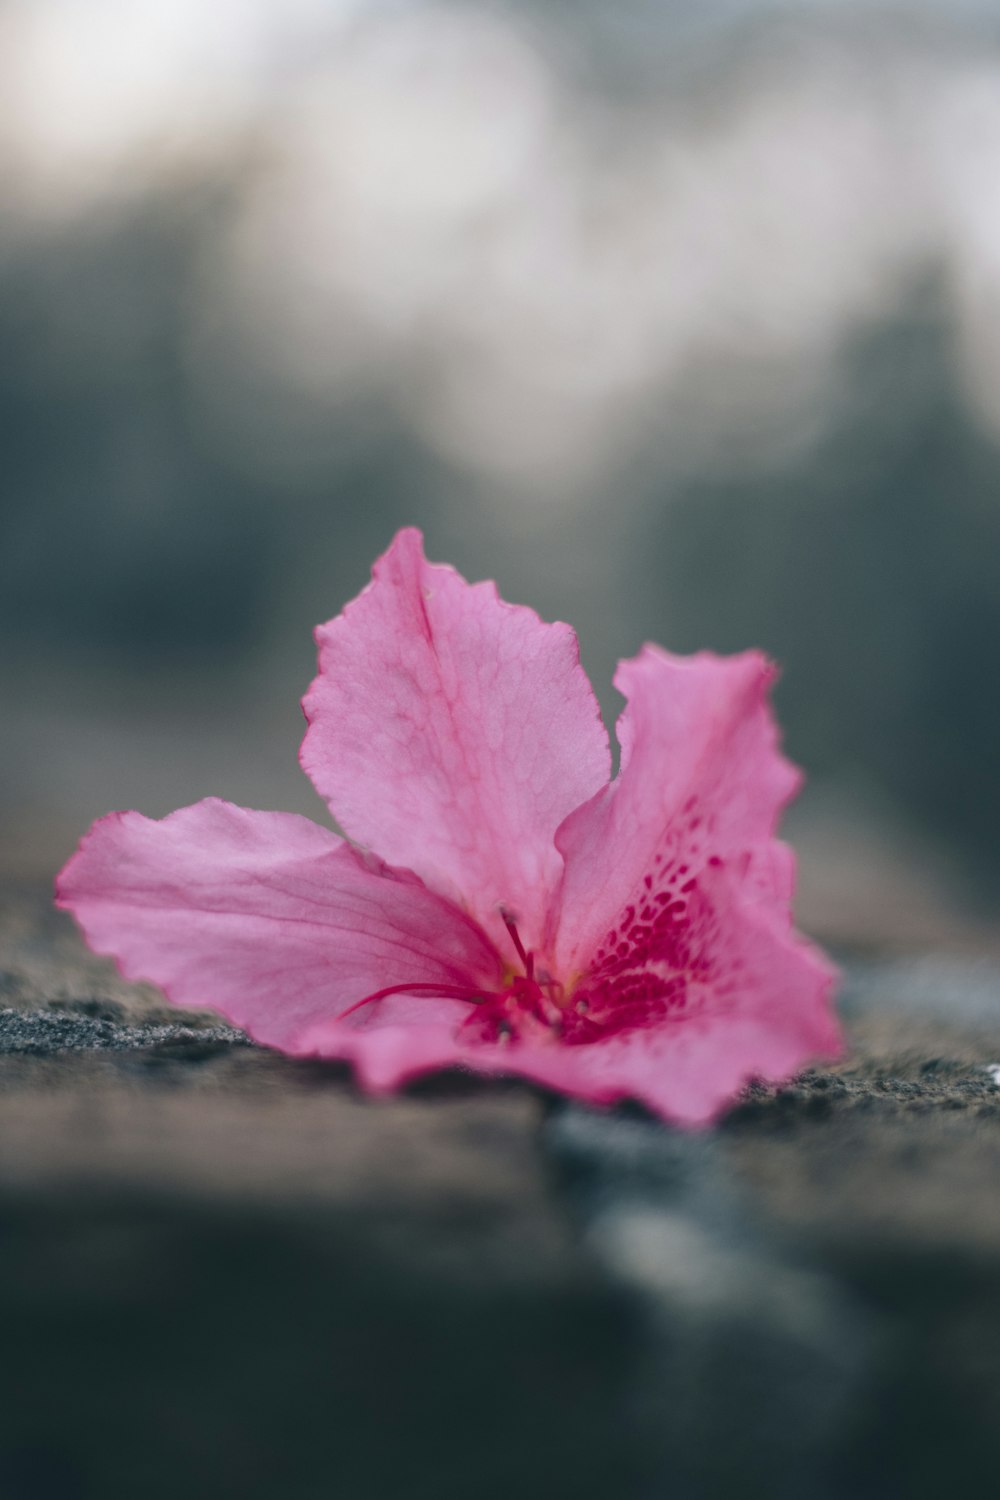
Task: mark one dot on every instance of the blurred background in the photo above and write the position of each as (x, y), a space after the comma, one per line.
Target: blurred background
(681, 318)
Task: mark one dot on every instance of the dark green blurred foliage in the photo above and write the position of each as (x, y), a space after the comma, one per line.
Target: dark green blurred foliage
(871, 570)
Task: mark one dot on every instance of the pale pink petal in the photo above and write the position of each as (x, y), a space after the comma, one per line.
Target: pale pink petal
(770, 877)
(386, 1055)
(702, 779)
(268, 918)
(453, 732)
(761, 1008)
(395, 1039)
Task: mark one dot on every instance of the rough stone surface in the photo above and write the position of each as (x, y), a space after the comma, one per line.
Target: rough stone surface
(226, 1270)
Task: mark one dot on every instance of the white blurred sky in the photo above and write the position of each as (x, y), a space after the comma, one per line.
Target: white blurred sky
(538, 274)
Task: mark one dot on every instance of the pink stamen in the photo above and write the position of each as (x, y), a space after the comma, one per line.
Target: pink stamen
(439, 991)
(528, 959)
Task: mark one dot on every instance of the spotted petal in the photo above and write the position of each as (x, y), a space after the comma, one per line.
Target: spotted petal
(702, 781)
(754, 1003)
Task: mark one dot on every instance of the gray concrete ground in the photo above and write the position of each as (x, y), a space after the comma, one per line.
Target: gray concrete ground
(228, 1271)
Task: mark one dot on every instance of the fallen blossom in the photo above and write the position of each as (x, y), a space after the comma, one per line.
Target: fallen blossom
(524, 912)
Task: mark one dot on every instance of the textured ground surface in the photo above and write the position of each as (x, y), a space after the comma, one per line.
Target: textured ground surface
(227, 1271)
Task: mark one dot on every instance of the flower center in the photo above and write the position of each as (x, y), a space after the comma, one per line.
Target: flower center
(530, 1003)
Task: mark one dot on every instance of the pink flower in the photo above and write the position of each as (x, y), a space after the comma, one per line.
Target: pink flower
(527, 914)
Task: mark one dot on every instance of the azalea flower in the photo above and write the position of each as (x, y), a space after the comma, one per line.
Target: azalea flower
(524, 913)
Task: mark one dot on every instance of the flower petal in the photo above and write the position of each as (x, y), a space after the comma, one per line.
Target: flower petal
(386, 1054)
(761, 1009)
(453, 733)
(266, 917)
(701, 780)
